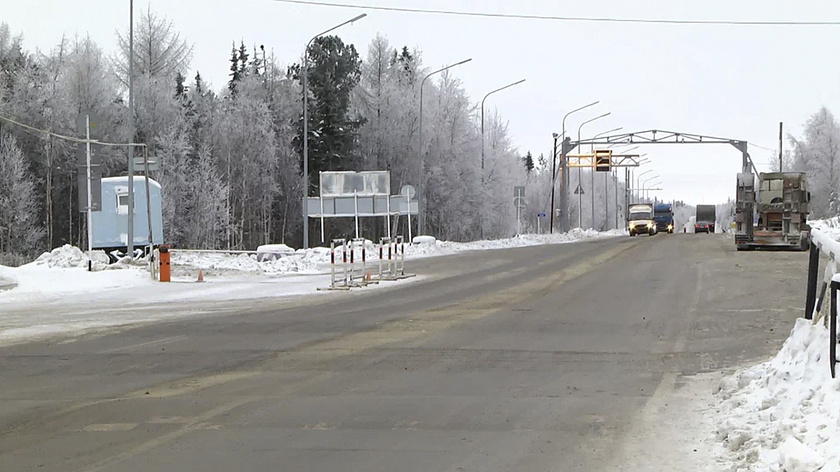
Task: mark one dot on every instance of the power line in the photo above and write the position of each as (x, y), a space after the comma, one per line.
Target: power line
(563, 18)
(35, 130)
(762, 147)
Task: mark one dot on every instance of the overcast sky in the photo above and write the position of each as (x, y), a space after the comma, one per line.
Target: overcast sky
(721, 80)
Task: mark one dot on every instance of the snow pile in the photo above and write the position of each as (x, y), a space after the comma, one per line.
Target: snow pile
(301, 262)
(70, 257)
(830, 226)
(433, 247)
(784, 415)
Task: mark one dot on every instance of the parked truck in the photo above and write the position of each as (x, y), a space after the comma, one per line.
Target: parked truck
(640, 219)
(705, 219)
(663, 216)
(775, 215)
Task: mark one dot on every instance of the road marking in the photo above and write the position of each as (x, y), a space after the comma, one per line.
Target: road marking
(100, 427)
(156, 342)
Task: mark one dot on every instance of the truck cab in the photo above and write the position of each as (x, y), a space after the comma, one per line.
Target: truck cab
(663, 215)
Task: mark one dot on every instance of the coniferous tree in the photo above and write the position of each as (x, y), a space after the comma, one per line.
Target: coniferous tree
(235, 75)
(334, 71)
(528, 161)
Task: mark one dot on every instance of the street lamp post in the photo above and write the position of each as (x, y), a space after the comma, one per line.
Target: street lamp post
(306, 124)
(592, 189)
(421, 220)
(638, 195)
(482, 116)
(652, 186)
(644, 184)
(564, 169)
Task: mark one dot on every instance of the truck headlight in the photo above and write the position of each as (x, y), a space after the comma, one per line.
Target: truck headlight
(650, 225)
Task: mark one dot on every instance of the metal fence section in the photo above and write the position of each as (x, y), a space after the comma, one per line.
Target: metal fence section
(821, 243)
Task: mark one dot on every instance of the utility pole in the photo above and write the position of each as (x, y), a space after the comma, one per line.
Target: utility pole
(780, 147)
(129, 243)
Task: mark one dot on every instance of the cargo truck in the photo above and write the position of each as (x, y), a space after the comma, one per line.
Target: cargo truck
(776, 214)
(640, 220)
(663, 215)
(705, 219)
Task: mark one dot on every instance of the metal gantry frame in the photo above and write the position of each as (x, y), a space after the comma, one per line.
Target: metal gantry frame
(643, 137)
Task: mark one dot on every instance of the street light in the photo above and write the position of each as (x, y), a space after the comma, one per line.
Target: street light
(421, 220)
(644, 184)
(306, 125)
(638, 195)
(482, 116)
(651, 187)
(564, 197)
(592, 185)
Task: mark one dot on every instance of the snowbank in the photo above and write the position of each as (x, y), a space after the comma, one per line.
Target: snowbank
(830, 226)
(784, 415)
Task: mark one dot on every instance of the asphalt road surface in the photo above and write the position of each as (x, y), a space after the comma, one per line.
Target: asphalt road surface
(542, 358)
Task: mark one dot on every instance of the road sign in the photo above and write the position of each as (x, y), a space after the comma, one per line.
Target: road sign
(519, 202)
(138, 163)
(407, 191)
(519, 191)
(95, 178)
(540, 215)
(579, 190)
(81, 123)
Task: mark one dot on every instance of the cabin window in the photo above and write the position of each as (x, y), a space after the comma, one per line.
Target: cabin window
(122, 203)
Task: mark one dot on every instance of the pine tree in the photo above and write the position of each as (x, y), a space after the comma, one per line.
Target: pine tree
(235, 75)
(334, 72)
(528, 160)
(243, 60)
(180, 89)
(256, 63)
(199, 86)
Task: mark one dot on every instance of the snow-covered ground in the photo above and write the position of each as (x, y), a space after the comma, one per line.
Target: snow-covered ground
(784, 415)
(57, 295)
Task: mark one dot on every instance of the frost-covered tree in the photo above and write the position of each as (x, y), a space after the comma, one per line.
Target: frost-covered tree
(20, 231)
(818, 154)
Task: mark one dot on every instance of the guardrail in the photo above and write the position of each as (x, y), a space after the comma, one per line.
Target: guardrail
(821, 243)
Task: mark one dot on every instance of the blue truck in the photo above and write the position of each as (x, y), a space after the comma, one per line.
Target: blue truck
(663, 215)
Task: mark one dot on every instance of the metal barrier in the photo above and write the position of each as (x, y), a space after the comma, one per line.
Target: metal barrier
(350, 268)
(336, 284)
(822, 243)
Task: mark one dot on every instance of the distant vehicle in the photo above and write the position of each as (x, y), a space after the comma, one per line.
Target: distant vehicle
(641, 220)
(774, 216)
(705, 220)
(663, 215)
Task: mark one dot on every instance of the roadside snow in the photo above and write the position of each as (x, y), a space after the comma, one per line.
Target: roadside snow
(783, 415)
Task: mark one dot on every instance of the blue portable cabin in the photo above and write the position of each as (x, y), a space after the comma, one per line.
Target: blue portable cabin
(110, 224)
(663, 215)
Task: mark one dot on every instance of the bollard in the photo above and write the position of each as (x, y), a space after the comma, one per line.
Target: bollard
(164, 263)
(832, 330)
(813, 273)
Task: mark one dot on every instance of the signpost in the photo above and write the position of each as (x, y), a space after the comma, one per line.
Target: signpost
(408, 192)
(85, 122)
(519, 202)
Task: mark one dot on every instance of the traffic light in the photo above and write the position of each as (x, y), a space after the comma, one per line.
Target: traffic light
(603, 160)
